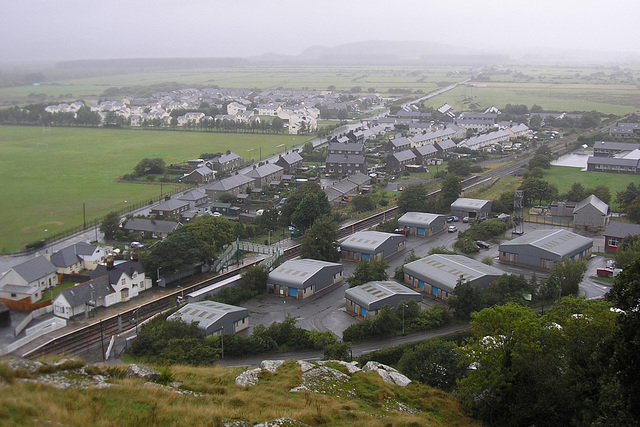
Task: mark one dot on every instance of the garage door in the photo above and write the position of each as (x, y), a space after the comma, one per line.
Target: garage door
(434, 291)
(293, 292)
(420, 284)
(420, 231)
(365, 257)
(363, 312)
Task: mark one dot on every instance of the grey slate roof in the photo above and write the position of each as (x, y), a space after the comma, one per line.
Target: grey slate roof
(622, 229)
(342, 158)
(359, 178)
(150, 226)
(115, 273)
(403, 156)
(229, 183)
(558, 242)
(170, 205)
(612, 161)
(264, 170)
(68, 256)
(291, 158)
(35, 269)
(426, 150)
(84, 292)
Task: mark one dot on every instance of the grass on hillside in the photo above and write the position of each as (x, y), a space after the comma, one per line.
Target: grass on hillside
(131, 402)
(47, 175)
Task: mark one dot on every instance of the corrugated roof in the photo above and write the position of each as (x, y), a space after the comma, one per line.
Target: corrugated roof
(368, 241)
(418, 219)
(559, 242)
(206, 313)
(372, 292)
(299, 272)
(464, 204)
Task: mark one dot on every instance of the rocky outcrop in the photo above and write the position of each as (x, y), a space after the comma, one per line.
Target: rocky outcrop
(248, 378)
(387, 373)
(139, 371)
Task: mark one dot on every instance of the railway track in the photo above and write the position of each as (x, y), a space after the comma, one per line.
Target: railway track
(82, 340)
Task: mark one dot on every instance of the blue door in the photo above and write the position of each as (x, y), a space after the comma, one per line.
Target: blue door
(420, 231)
(420, 284)
(363, 312)
(293, 292)
(434, 291)
(365, 257)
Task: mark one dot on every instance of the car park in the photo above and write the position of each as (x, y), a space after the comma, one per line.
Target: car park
(482, 244)
(452, 229)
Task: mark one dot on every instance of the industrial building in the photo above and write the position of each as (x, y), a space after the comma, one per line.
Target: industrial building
(214, 318)
(367, 300)
(302, 278)
(438, 275)
(369, 245)
(422, 224)
(473, 208)
(540, 249)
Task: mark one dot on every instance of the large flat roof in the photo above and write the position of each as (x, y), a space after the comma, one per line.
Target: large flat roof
(443, 271)
(558, 242)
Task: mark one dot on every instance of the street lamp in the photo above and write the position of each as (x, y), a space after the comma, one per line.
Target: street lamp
(222, 343)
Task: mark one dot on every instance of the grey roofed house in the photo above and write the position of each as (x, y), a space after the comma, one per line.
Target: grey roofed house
(367, 299)
(233, 184)
(150, 226)
(399, 144)
(196, 197)
(541, 248)
(77, 297)
(471, 207)
(307, 275)
(213, 317)
(263, 171)
(70, 255)
(438, 274)
(480, 141)
(34, 269)
(591, 212)
(115, 273)
(366, 245)
(359, 179)
(333, 195)
(348, 147)
(445, 145)
(616, 231)
(289, 160)
(423, 151)
(423, 224)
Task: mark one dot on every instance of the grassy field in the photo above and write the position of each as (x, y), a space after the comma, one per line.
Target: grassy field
(46, 176)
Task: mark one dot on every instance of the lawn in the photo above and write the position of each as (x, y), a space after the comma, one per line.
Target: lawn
(47, 175)
(563, 177)
(52, 293)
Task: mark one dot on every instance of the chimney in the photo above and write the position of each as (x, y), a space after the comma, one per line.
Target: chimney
(110, 262)
(47, 255)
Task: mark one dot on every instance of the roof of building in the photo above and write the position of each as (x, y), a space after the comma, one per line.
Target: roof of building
(521, 127)
(35, 269)
(264, 170)
(418, 219)
(150, 225)
(225, 158)
(559, 242)
(484, 138)
(368, 241)
(115, 273)
(88, 291)
(445, 145)
(471, 205)
(229, 183)
(346, 158)
(170, 205)
(378, 291)
(620, 146)
(22, 290)
(346, 146)
(358, 178)
(425, 150)
(70, 255)
(206, 313)
(622, 229)
(615, 161)
(593, 201)
(403, 156)
(194, 195)
(299, 272)
(400, 142)
(444, 271)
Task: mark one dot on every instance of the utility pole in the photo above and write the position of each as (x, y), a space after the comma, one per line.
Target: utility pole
(84, 216)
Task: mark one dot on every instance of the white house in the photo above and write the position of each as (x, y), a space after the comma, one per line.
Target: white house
(38, 272)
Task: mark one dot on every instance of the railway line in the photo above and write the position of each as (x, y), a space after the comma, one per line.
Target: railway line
(86, 338)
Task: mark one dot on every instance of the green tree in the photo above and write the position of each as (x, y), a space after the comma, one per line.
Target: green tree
(110, 224)
(320, 240)
(566, 275)
(633, 210)
(577, 192)
(312, 206)
(628, 251)
(435, 363)
(465, 299)
(626, 197)
(537, 190)
(227, 198)
(211, 234)
(277, 124)
(294, 199)
(459, 167)
(178, 252)
(368, 272)
(363, 203)
(601, 192)
(413, 199)
(451, 190)
(150, 166)
(508, 288)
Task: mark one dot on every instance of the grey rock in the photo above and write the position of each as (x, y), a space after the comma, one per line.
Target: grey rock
(138, 371)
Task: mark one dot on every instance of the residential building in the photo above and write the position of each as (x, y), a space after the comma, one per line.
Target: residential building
(438, 275)
(225, 162)
(302, 278)
(425, 152)
(289, 161)
(422, 224)
(37, 272)
(82, 298)
(234, 185)
(153, 228)
(370, 245)
(540, 249)
(346, 164)
(366, 301)
(625, 130)
(77, 257)
(628, 164)
(612, 149)
(171, 208)
(214, 318)
(263, 174)
(196, 197)
(201, 175)
(397, 162)
(445, 146)
(615, 232)
(398, 144)
(486, 140)
(127, 279)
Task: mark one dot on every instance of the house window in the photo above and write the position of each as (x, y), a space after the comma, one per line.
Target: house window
(14, 295)
(613, 242)
(59, 309)
(123, 282)
(124, 294)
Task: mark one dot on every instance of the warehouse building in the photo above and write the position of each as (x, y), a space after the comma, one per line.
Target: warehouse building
(214, 318)
(422, 224)
(540, 249)
(368, 245)
(302, 278)
(438, 275)
(473, 208)
(366, 301)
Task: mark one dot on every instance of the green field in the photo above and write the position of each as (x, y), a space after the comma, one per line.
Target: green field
(47, 175)
(563, 177)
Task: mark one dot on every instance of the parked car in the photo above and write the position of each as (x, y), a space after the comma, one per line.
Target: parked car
(465, 219)
(452, 229)
(136, 245)
(453, 218)
(403, 231)
(482, 244)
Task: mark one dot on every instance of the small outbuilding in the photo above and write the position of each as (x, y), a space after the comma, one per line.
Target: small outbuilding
(423, 224)
(369, 245)
(302, 278)
(591, 212)
(214, 318)
(366, 301)
(540, 249)
(438, 275)
(473, 208)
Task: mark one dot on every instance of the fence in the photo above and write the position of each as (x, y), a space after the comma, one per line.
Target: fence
(35, 313)
(34, 333)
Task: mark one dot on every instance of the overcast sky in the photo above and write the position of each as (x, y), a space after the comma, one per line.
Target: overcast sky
(86, 29)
